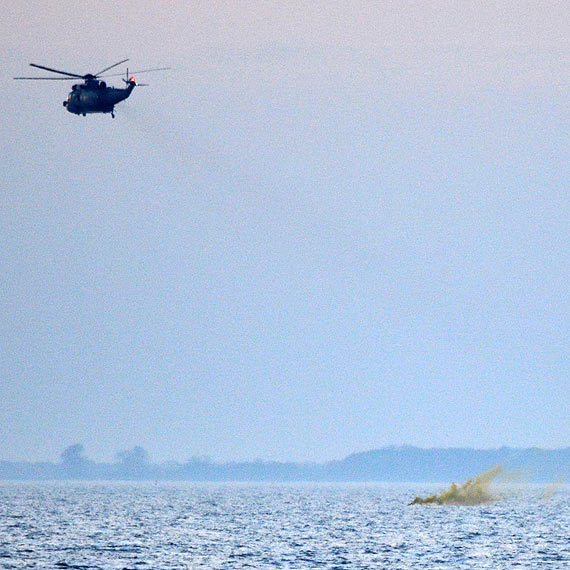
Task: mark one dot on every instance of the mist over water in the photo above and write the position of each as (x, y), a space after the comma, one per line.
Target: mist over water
(552, 488)
(474, 491)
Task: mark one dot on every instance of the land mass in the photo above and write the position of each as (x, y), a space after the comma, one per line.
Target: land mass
(389, 464)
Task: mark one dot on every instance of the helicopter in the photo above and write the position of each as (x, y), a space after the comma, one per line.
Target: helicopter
(93, 95)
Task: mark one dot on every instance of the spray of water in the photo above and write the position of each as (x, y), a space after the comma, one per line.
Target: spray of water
(473, 492)
(552, 488)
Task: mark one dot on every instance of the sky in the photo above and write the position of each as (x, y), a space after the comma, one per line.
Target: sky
(327, 229)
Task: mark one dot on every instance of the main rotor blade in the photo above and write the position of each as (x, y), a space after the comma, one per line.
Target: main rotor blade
(47, 78)
(56, 71)
(136, 72)
(110, 67)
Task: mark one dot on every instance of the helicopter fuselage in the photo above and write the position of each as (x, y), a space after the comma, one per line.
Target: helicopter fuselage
(95, 97)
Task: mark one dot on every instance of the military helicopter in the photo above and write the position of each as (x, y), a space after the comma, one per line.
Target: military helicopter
(93, 95)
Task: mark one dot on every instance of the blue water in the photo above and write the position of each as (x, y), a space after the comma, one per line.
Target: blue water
(222, 526)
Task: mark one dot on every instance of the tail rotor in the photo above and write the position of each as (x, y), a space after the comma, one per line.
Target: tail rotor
(130, 80)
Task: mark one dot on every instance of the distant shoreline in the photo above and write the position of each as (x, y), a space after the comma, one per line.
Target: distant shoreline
(387, 464)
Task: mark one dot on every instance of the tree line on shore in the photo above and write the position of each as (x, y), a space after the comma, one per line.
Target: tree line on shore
(390, 464)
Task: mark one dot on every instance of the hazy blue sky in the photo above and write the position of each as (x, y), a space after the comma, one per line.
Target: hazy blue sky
(327, 229)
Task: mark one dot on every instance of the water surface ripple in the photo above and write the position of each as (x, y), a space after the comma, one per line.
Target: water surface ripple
(138, 526)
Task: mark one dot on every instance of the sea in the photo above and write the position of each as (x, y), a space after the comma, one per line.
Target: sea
(138, 526)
